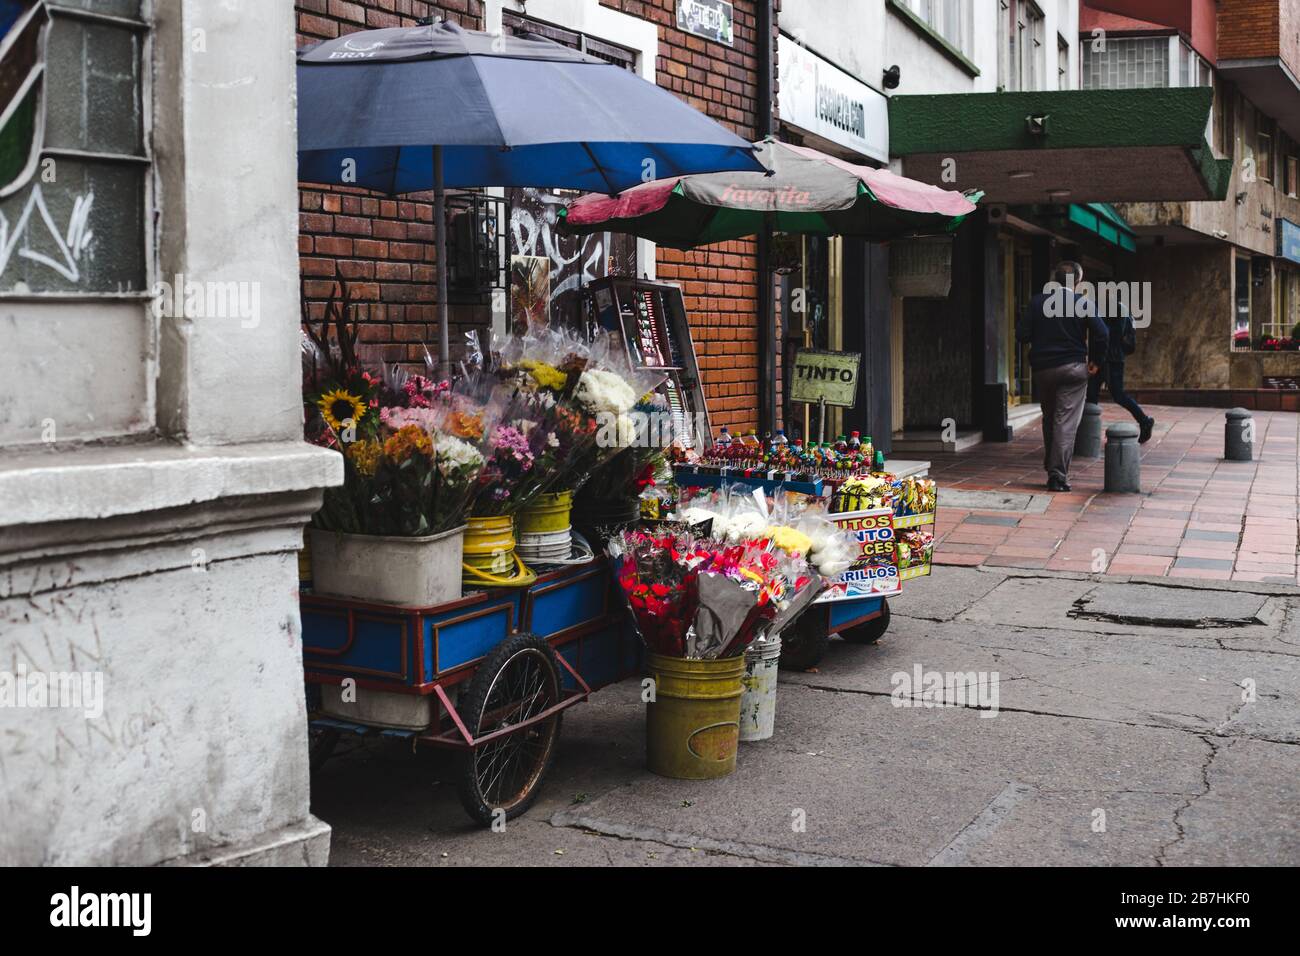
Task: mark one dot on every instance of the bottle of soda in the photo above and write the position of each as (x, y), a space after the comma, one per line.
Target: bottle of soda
(880, 461)
(855, 441)
(868, 450)
(841, 445)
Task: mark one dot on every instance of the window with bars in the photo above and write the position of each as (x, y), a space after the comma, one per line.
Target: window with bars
(74, 160)
(1127, 63)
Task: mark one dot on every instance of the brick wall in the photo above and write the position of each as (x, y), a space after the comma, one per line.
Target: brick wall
(382, 247)
(720, 283)
(385, 247)
(1248, 29)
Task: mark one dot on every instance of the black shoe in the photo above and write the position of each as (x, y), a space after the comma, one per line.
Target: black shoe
(1057, 484)
(1144, 431)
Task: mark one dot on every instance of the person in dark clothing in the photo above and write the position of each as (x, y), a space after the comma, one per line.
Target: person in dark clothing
(1068, 343)
(1123, 342)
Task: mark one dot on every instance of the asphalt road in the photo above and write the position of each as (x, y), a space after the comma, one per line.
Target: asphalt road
(1135, 724)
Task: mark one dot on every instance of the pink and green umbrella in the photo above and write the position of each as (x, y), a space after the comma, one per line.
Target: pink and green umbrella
(804, 191)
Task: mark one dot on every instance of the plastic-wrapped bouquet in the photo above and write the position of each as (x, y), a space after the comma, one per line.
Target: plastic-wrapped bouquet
(564, 413)
(412, 451)
(698, 598)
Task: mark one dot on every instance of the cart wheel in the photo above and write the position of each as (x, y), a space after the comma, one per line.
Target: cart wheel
(871, 631)
(804, 644)
(320, 745)
(518, 680)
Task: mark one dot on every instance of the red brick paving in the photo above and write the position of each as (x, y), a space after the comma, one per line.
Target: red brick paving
(1197, 516)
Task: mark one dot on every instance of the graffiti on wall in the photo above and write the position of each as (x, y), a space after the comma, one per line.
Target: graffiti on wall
(574, 260)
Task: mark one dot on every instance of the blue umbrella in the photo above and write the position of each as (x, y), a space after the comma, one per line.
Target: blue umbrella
(411, 109)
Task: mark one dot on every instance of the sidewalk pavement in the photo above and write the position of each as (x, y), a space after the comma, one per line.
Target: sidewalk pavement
(1198, 516)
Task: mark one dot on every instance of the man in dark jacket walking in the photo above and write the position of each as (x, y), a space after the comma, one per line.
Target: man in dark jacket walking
(1123, 342)
(1068, 342)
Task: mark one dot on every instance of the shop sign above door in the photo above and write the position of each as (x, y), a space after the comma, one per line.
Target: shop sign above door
(817, 96)
(711, 19)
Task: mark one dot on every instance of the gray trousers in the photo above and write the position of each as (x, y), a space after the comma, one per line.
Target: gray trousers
(1062, 391)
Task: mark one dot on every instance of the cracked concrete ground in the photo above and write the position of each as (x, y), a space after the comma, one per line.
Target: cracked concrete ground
(1113, 743)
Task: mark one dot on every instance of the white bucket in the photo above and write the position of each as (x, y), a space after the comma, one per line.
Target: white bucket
(545, 547)
(378, 708)
(418, 572)
(758, 702)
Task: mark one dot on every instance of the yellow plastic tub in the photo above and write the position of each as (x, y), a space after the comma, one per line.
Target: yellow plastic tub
(548, 514)
(693, 723)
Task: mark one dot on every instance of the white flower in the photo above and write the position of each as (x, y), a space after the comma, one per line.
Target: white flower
(603, 391)
(455, 454)
(553, 440)
(746, 525)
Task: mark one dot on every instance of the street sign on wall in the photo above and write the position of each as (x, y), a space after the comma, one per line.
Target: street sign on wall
(712, 19)
(819, 375)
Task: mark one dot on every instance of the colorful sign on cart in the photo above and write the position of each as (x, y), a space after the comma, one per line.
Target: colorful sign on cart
(875, 573)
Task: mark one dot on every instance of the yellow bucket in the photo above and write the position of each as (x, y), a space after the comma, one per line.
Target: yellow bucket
(489, 557)
(693, 723)
(549, 513)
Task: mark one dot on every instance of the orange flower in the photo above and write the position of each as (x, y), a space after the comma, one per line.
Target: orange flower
(407, 441)
(465, 425)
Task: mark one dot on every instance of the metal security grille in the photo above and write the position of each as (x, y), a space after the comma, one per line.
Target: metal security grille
(514, 25)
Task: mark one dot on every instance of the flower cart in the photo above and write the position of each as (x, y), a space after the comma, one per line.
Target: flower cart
(488, 675)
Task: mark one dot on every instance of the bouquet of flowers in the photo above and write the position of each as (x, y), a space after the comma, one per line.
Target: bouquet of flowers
(412, 451)
(695, 598)
(756, 569)
(799, 525)
(564, 414)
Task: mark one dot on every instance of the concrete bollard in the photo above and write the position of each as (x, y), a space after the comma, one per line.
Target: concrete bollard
(1238, 435)
(1123, 459)
(1087, 440)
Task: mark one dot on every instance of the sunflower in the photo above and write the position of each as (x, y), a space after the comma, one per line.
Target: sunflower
(338, 407)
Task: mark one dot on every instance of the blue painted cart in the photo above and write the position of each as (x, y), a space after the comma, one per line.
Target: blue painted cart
(489, 675)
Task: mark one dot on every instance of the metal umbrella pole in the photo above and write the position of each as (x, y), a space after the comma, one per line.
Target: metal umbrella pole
(440, 241)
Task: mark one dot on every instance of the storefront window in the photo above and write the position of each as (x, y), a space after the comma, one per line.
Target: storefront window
(1241, 305)
(1286, 301)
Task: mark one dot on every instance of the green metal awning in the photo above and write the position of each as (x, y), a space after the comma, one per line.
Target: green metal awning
(1102, 218)
(1062, 146)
